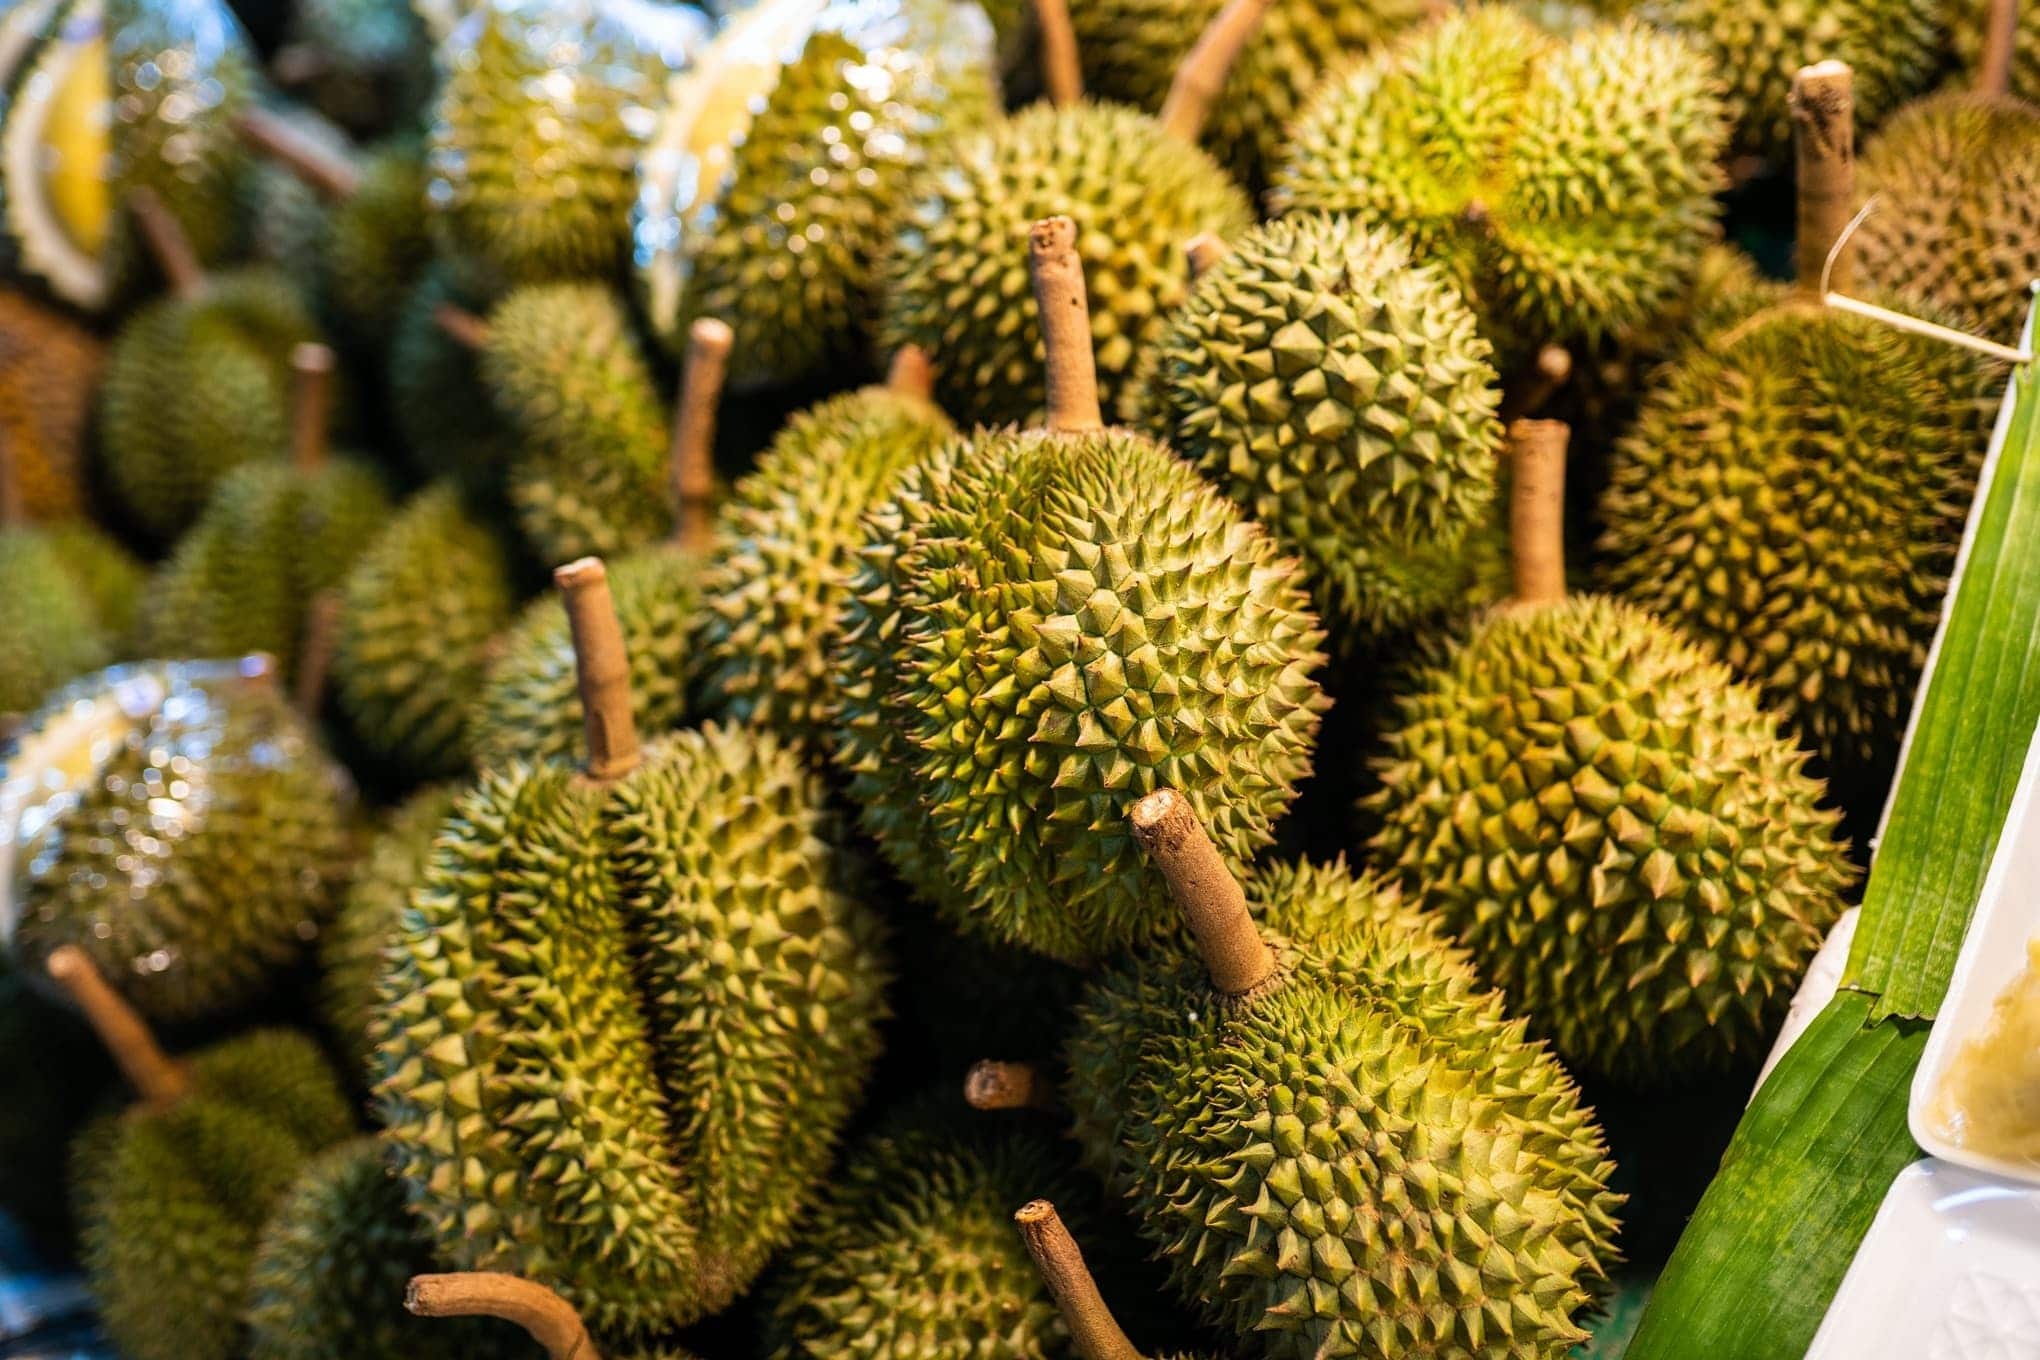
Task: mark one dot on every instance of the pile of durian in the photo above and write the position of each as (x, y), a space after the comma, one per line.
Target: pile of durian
(669, 675)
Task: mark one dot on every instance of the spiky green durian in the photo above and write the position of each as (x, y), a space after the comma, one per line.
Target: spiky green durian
(1343, 396)
(1131, 48)
(178, 822)
(786, 156)
(53, 1075)
(443, 409)
(111, 576)
(535, 137)
(681, 953)
(564, 367)
(377, 241)
(194, 388)
(289, 219)
(1565, 185)
(49, 372)
(351, 945)
(1895, 48)
(419, 613)
(786, 543)
(912, 1251)
(328, 1275)
(50, 631)
(1358, 1155)
(1957, 220)
(529, 708)
(366, 64)
(957, 284)
(1791, 497)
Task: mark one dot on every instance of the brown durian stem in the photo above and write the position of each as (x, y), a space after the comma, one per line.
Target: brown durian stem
(1062, 75)
(1092, 1328)
(1537, 509)
(158, 1078)
(167, 243)
(13, 509)
(311, 404)
(2000, 42)
(549, 1319)
(324, 169)
(1204, 250)
(1823, 104)
(911, 374)
(1210, 898)
(462, 326)
(692, 451)
(315, 654)
(1065, 325)
(602, 665)
(992, 1085)
(1200, 77)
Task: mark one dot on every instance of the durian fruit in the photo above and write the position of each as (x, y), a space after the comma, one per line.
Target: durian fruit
(106, 99)
(547, 1318)
(912, 1251)
(332, 1265)
(49, 371)
(53, 1074)
(351, 945)
(366, 64)
(173, 1192)
(536, 134)
(629, 1008)
(1094, 1333)
(50, 627)
(421, 611)
(288, 214)
(1132, 47)
(272, 538)
(1137, 187)
(178, 822)
(1620, 833)
(1343, 396)
(785, 544)
(442, 408)
(1045, 624)
(197, 383)
(1565, 185)
(1337, 1143)
(786, 155)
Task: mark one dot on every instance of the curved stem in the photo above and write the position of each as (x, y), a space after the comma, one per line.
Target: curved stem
(1062, 74)
(549, 1319)
(167, 244)
(461, 326)
(911, 374)
(692, 452)
(326, 170)
(1823, 105)
(1201, 76)
(1065, 325)
(311, 404)
(158, 1078)
(602, 665)
(2000, 43)
(1537, 509)
(991, 1085)
(1210, 898)
(315, 654)
(1056, 1256)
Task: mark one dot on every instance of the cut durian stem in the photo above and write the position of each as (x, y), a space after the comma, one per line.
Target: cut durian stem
(461, 326)
(326, 171)
(1211, 899)
(315, 653)
(1823, 105)
(1194, 90)
(1537, 451)
(1065, 308)
(692, 449)
(911, 374)
(994, 1085)
(1096, 1334)
(311, 404)
(1062, 74)
(1203, 251)
(2000, 38)
(602, 667)
(159, 1079)
(167, 243)
(549, 1319)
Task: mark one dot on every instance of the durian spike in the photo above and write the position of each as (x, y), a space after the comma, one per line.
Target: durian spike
(993, 1085)
(158, 1078)
(1201, 76)
(311, 404)
(1062, 75)
(13, 510)
(692, 451)
(327, 171)
(2000, 40)
(1203, 251)
(1823, 105)
(1537, 509)
(1065, 325)
(1056, 1255)
(1210, 898)
(315, 654)
(602, 665)
(910, 374)
(549, 1319)
(461, 326)
(167, 243)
